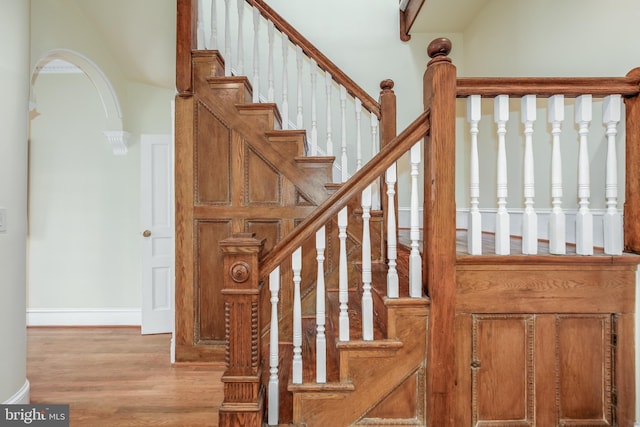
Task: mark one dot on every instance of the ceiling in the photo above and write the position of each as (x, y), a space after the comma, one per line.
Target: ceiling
(141, 33)
(446, 16)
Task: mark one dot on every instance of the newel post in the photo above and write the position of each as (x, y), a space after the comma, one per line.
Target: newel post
(632, 181)
(439, 256)
(243, 392)
(186, 41)
(388, 131)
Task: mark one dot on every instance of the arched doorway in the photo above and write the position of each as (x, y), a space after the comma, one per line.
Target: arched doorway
(83, 259)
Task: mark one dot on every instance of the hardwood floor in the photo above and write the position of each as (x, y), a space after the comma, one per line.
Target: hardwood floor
(117, 377)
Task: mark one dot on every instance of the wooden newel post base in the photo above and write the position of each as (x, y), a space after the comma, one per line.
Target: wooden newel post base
(243, 392)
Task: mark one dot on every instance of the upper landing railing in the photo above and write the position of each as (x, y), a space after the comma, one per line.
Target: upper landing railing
(564, 145)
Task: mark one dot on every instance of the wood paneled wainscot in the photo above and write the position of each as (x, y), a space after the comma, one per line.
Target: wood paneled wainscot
(545, 344)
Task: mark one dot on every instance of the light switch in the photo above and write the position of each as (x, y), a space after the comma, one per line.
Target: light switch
(3, 220)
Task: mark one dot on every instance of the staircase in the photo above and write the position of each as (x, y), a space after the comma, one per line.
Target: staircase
(322, 317)
(356, 390)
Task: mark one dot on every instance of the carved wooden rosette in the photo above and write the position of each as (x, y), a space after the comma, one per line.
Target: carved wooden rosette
(243, 392)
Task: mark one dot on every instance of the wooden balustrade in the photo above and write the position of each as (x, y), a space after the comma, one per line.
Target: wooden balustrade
(584, 92)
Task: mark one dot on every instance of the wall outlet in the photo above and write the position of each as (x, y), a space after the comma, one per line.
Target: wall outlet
(3, 220)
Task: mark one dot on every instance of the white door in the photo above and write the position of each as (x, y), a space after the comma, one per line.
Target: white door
(157, 234)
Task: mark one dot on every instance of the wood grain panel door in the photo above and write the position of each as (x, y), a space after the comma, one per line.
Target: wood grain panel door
(502, 370)
(543, 370)
(584, 370)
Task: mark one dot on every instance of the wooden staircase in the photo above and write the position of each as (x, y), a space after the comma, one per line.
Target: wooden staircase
(515, 325)
(357, 391)
(373, 376)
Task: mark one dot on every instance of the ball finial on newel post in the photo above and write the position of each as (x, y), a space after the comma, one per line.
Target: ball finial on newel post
(439, 50)
(387, 84)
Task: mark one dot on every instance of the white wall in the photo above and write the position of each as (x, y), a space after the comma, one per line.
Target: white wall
(548, 38)
(14, 86)
(83, 203)
(85, 242)
(553, 38)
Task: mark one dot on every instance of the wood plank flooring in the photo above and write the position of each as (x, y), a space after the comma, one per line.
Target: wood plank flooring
(117, 377)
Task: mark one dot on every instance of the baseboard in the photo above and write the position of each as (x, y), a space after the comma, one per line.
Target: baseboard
(21, 397)
(84, 317)
(488, 222)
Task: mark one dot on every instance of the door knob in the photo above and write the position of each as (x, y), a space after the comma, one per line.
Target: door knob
(146, 233)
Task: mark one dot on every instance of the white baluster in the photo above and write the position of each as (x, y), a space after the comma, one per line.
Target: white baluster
(367, 300)
(200, 26)
(314, 118)
(213, 38)
(343, 133)
(474, 234)
(256, 56)
(557, 234)
(285, 82)
(328, 81)
(343, 292)
(296, 262)
(270, 88)
(612, 219)
(501, 116)
(374, 135)
(358, 134)
(227, 38)
(321, 341)
(392, 233)
(299, 117)
(375, 143)
(584, 218)
(529, 217)
(415, 260)
(274, 392)
(240, 38)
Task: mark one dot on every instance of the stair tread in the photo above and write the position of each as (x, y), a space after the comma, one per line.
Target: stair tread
(332, 334)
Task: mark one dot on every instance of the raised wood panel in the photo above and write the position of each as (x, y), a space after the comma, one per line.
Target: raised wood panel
(401, 403)
(269, 229)
(212, 158)
(209, 269)
(584, 369)
(263, 182)
(502, 370)
(531, 289)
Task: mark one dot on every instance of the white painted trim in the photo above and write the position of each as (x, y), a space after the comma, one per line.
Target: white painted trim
(118, 140)
(104, 87)
(488, 222)
(403, 5)
(58, 66)
(84, 317)
(21, 397)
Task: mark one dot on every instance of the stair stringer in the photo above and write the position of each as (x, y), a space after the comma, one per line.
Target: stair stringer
(373, 369)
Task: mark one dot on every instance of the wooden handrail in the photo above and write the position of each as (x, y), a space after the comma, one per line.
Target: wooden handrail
(323, 62)
(355, 185)
(548, 86)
